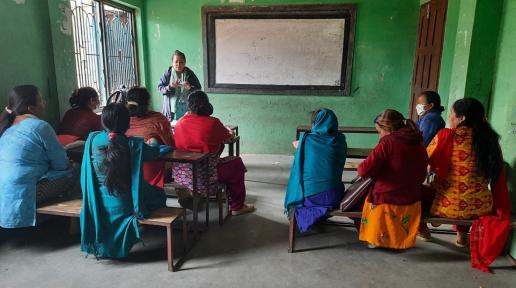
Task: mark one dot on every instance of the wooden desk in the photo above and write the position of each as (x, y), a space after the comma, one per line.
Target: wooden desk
(180, 156)
(195, 159)
(75, 154)
(343, 129)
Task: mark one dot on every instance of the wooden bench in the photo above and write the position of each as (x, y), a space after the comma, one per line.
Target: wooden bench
(342, 129)
(351, 166)
(358, 214)
(164, 217)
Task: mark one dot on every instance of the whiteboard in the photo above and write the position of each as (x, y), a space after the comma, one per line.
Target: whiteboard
(279, 51)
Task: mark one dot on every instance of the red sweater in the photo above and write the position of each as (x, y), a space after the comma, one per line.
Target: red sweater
(200, 133)
(398, 166)
(79, 122)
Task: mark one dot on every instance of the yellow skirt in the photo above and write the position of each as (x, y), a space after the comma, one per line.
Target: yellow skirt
(390, 226)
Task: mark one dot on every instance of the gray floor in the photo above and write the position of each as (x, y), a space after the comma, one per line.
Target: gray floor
(248, 251)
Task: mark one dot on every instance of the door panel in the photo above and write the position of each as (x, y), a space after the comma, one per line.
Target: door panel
(430, 36)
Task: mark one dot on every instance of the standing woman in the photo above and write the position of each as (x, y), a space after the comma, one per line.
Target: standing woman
(34, 164)
(392, 211)
(115, 195)
(315, 183)
(429, 110)
(175, 85)
(81, 119)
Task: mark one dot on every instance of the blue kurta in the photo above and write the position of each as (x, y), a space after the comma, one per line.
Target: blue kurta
(29, 152)
(109, 222)
(429, 125)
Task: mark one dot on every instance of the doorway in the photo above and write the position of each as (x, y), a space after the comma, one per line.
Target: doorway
(430, 38)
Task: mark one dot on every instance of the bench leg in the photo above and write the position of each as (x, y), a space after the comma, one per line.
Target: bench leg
(207, 210)
(185, 235)
(170, 248)
(221, 206)
(195, 212)
(238, 147)
(292, 231)
(75, 227)
(231, 151)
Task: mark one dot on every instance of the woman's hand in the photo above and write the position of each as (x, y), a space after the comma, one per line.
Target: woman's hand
(152, 142)
(174, 85)
(231, 132)
(187, 86)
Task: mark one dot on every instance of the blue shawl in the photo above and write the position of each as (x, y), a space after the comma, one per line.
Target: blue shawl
(109, 223)
(318, 162)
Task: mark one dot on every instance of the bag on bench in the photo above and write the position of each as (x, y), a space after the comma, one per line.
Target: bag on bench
(356, 193)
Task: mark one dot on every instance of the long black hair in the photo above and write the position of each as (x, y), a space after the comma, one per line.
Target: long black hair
(198, 103)
(117, 160)
(485, 139)
(138, 101)
(433, 97)
(81, 97)
(20, 99)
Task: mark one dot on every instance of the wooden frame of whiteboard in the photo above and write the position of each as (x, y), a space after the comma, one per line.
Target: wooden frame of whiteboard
(211, 13)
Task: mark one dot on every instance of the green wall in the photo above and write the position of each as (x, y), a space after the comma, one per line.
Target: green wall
(27, 56)
(448, 53)
(60, 16)
(503, 102)
(469, 50)
(484, 43)
(382, 69)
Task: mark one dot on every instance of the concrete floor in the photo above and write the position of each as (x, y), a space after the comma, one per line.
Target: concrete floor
(248, 251)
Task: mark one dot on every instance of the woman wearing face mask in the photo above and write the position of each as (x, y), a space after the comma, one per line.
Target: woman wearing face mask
(175, 85)
(429, 110)
(391, 213)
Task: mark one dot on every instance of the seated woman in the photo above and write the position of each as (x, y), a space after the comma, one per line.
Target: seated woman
(197, 131)
(153, 127)
(315, 183)
(465, 158)
(429, 110)
(80, 120)
(114, 192)
(392, 211)
(34, 164)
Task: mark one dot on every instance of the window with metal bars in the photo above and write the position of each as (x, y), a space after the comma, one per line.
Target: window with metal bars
(105, 49)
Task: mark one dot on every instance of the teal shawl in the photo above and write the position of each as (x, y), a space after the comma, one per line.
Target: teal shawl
(109, 223)
(318, 162)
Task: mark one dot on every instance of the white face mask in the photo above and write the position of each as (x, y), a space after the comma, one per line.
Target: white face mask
(420, 109)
